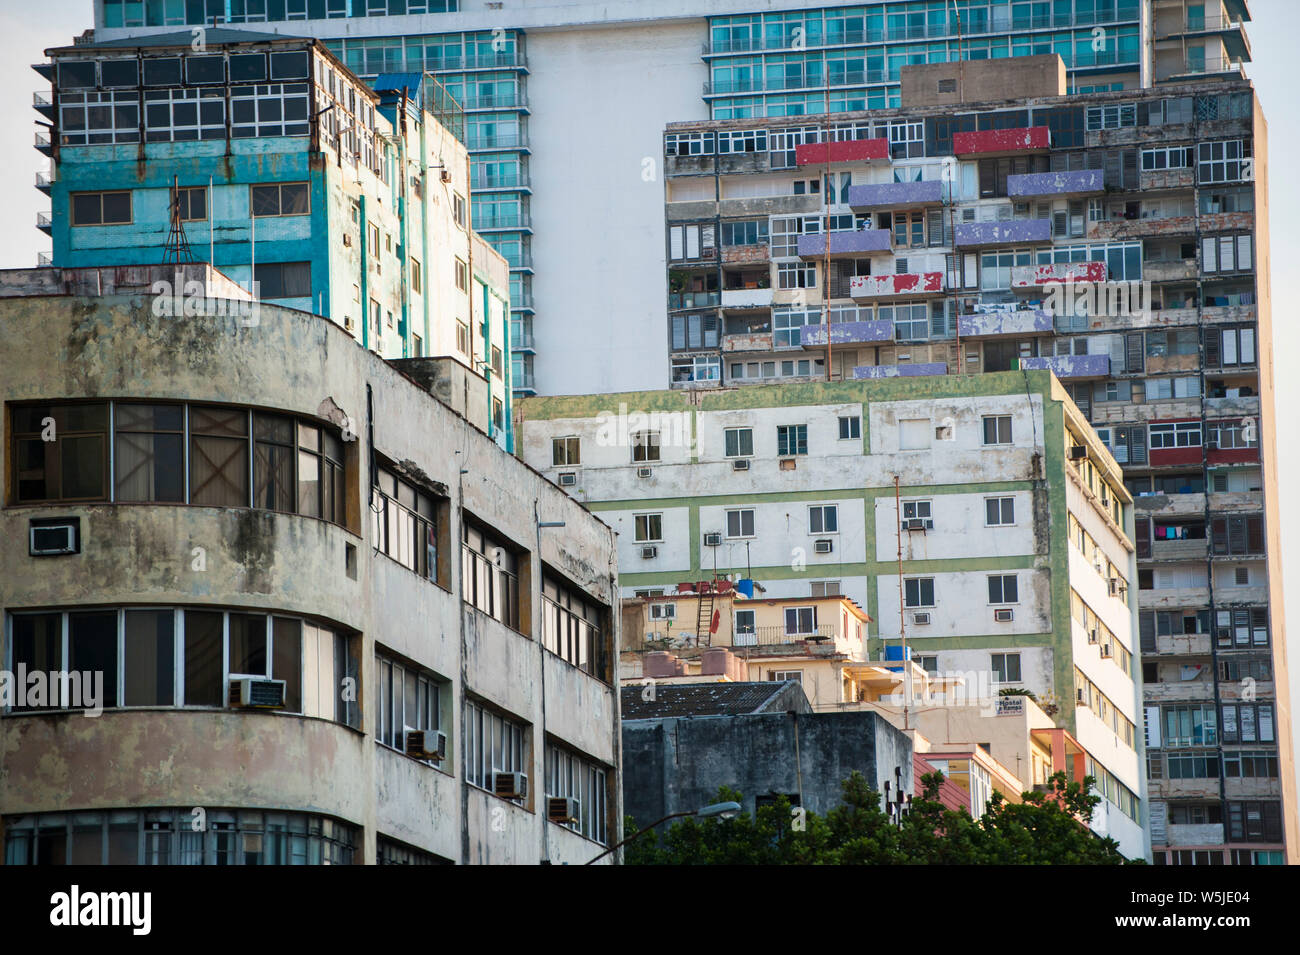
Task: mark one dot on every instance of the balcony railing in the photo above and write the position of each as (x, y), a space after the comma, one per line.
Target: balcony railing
(517, 180)
(44, 260)
(767, 636)
(518, 221)
(510, 139)
(43, 221)
(510, 100)
(476, 61)
(41, 100)
(693, 300)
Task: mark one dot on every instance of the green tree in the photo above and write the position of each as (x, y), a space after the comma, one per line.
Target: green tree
(1045, 829)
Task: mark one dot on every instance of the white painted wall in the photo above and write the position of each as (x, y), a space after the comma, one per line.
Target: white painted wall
(959, 528)
(961, 605)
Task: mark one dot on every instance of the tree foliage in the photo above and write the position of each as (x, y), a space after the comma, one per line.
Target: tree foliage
(1046, 829)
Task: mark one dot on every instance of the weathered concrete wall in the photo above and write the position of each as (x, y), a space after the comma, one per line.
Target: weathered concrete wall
(976, 80)
(679, 764)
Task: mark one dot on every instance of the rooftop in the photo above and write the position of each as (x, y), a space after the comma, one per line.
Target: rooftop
(671, 700)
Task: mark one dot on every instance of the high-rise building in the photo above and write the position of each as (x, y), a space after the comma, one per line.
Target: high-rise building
(297, 628)
(1118, 238)
(264, 155)
(931, 502)
(565, 103)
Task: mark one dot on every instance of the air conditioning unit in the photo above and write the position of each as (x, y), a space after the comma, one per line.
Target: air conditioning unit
(1082, 697)
(713, 540)
(644, 472)
(562, 809)
(1114, 586)
(257, 693)
(649, 552)
(426, 744)
(917, 524)
(568, 478)
(52, 538)
(1004, 615)
(510, 785)
(823, 546)
(1078, 452)
(1093, 636)
(446, 176)
(1106, 652)
(740, 464)
(348, 324)
(921, 619)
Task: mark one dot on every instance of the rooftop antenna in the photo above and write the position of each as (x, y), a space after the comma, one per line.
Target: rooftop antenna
(177, 249)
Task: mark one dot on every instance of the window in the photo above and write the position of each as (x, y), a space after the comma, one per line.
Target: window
(192, 202)
(1225, 161)
(1006, 667)
(850, 428)
(167, 837)
(458, 209)
(739, 442)
(1248, 723)
(570, 776)
(567, 451)
(1176, 157)
(489, 574)
(405, 524)
(999, 511)
(416, 276)
(796, 275)
(918, 592)
(462, 338)
(823, 519)
(1255, 821)
(997, 429)
(1111, 116)
(824, 588)
(1194, 725)
(145, 645)
(648, 528)
(493, 744)
(498, 414)
(572, 626)
(645, 446)
(298, 464)
(744, 233)
(1250, 764)
(740, 523)
(283, 279)
(791, 439)
(1003, 589)
(1227, 253)
(1182, 434)
(60, 452)
(408, 698)
(281, 199)
(800, 620)
(783, 676)
(686, 242)
(917, 510)
(391, 852)
(94, 118)
(462, 276)
(278, 109)
(101, 208)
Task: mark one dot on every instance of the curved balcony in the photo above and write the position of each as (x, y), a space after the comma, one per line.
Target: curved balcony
(144, 758)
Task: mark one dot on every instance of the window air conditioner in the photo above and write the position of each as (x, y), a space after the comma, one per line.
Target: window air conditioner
(510, 785)
(1106, 653)
(563, 810)
(740, 464)
(568, 479)
(921, 619)
(917, 524)
(649, 552)
(50, 538)
(426, 744)
(713, 540)
(257, 693)
(1078, 452)
(824, 546)
(644, 472)
(1004, 615)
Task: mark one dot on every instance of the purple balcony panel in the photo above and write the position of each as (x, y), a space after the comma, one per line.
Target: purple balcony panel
(845, 243)
(847, 333)
(1071, 366)
(896, 195)
(993, 324)
(1074, 183)
(900, 371)
(1003, 233)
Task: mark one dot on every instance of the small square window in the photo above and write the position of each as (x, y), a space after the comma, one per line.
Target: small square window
(997, 429)
(850, 428)
(999, 511)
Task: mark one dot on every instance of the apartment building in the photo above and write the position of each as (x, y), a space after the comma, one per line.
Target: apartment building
(565, 103)
(942, 240)
(319, 636)
(281, 167)
(928, 501)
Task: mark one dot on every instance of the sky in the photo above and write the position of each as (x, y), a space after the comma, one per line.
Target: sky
(28, 28)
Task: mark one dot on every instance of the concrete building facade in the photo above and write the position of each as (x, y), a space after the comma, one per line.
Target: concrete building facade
(794, 486)
(286, 169)
(334, 621)
(533, 77)
(952, 253)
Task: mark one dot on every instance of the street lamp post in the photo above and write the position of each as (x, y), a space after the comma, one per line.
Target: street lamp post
(725, 810)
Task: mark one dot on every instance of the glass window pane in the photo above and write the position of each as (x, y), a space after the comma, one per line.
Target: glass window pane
(287, 662)
(92, 652)
(149, 649)
(248, 644)
(203, 658)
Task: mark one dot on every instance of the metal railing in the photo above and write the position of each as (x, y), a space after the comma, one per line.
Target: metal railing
(694, 299)
(43, 220)
(514, 99)
(767, 636)
(476, 61)
(44, 260)
(517, 221)
(40, 99)
(505, 140)
(517, 180)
